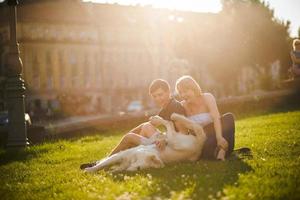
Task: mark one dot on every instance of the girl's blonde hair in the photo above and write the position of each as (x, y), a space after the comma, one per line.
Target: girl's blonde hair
(296, 42)
(187, 82)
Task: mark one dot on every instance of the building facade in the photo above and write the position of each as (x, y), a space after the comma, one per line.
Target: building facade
(107, 54)
(83, 58)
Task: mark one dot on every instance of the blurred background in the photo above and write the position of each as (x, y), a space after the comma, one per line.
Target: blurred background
(99, 57)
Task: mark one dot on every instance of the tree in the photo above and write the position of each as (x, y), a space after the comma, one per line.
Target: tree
(245, 33)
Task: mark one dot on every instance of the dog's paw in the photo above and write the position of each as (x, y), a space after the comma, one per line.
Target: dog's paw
(156, 119)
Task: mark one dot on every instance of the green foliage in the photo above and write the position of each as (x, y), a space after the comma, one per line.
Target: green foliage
(244, 34)
(51, 170)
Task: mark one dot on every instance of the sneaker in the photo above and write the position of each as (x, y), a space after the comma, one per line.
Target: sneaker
(243, 150)
(86, 165)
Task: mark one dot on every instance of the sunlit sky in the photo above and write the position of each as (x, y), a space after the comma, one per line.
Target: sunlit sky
(287, 10)
(284, 9)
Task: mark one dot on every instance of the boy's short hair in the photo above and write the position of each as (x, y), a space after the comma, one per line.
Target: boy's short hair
(159, 83)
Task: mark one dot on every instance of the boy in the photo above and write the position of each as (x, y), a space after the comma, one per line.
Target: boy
(146, 133)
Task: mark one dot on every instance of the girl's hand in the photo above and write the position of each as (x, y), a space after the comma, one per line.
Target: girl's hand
(221, 142)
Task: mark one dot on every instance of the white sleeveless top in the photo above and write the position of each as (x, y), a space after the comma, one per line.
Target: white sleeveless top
(202, 118)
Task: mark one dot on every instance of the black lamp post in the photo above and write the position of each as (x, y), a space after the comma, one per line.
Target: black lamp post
(15, 89)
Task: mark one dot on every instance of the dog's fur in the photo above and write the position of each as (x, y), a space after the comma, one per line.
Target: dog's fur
(181, 147)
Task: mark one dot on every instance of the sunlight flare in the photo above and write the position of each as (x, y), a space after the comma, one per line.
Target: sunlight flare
(213, 6)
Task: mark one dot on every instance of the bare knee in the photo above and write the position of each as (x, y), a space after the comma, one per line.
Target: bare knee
(128, 141)
(147, 129)
(131, 139)
(147, 126)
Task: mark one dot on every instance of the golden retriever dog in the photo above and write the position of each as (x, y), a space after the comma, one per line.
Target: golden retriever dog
(180, 147)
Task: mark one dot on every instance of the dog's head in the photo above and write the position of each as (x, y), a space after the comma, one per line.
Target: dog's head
(154, 161)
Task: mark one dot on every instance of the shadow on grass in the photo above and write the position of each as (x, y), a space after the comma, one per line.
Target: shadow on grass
(88, 132)
(11, 155)
(37, 150)
(200, 180)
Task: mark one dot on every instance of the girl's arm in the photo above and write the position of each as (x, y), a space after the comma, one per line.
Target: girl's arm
(213, 110)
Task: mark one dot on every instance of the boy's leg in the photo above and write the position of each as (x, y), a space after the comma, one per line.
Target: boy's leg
(129, 140)
(148, 130)
(134, 139)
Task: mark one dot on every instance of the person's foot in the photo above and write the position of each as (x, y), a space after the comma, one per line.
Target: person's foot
(244, 152)
(87, 165)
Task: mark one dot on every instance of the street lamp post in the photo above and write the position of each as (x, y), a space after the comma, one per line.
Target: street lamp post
(15, 89)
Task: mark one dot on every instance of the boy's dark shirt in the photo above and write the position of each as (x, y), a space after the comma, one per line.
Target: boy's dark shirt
(173, 106)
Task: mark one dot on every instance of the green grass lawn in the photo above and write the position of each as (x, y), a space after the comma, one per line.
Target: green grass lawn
(51, 170)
